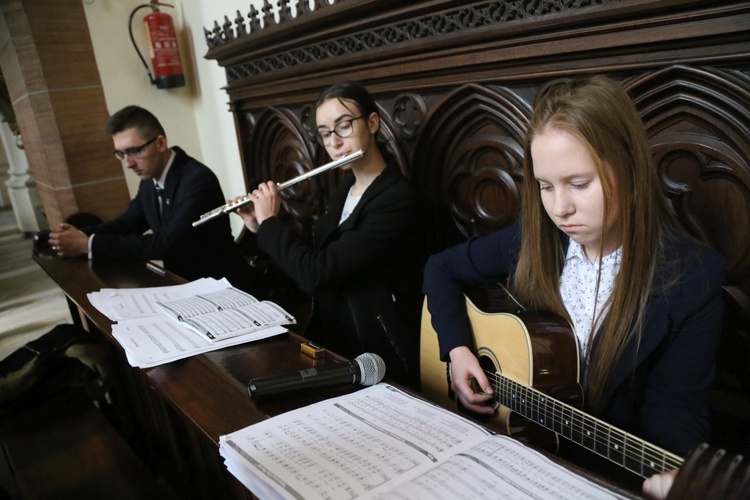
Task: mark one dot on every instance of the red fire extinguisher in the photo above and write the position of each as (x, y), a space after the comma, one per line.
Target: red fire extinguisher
(163, 49)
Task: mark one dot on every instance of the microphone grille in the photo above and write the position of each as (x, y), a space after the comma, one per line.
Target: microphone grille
(372, 367)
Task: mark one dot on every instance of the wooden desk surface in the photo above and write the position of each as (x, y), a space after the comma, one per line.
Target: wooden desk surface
(207, 391)
(210, 388)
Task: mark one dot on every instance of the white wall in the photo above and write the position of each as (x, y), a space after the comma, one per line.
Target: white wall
(196, 117)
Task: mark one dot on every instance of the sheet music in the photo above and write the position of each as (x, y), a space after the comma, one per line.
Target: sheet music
(222, 325)
(207, 302)
(499, 467)
(382, 443)
(152, 337)
(159, 339)
(127, 303)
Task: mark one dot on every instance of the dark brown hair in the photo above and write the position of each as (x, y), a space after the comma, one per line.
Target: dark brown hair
(142, 120)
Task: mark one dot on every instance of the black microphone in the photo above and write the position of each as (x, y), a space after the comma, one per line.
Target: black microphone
(366, 369)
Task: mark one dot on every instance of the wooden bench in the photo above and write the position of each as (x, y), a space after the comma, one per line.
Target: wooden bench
(66, 448)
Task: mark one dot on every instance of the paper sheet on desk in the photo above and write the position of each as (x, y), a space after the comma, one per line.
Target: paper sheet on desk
(128, 303)
(382, 443)
(220, 315)
(157, 340)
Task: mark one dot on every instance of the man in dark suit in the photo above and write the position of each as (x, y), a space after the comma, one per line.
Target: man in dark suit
(175, 190)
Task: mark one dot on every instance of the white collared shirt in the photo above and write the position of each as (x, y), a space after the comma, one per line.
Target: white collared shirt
(161, 181)
(578, 289)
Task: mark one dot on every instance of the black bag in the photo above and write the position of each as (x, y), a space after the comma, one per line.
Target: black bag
(65, 357)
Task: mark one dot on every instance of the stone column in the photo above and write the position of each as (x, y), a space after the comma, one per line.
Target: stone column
(24, 198)
(48, 63)
(4, 173)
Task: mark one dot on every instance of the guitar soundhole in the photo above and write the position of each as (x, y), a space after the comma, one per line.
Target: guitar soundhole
(491, 365)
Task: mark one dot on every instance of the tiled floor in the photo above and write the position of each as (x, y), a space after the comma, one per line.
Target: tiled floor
(30, 302)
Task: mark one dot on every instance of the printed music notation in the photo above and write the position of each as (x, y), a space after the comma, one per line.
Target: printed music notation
(159, 325)
(380, 442)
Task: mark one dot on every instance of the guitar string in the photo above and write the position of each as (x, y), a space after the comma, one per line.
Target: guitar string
(654, 455)
(615, 436)
(628, 456)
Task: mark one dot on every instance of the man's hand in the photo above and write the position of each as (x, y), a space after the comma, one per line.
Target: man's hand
(464, 368)
(69, 241)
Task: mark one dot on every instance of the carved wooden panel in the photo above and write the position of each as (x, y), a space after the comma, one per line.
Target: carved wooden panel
(468, 161)
(698, 120)
(455, 82)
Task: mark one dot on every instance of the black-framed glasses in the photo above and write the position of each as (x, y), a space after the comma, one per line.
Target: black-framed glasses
(134, 152)
(343, 129)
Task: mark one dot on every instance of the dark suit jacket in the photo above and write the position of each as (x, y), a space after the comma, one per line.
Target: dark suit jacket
(190, 190)
(657, 390)
(365, 275)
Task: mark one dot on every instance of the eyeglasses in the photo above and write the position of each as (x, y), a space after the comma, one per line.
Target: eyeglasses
(343, 129)
(135, 152)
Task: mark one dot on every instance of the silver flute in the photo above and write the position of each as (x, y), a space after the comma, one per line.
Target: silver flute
(231, 207)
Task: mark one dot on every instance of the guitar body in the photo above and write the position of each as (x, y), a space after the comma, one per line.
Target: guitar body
(534, 349)
(532, 362)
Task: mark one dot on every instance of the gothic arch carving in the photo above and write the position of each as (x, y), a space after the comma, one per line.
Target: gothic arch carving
(698, 121)
(468, 161)
(388, 136)
(279, 151)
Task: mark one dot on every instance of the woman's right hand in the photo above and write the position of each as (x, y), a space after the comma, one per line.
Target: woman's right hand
(247, 212)
(464, 368)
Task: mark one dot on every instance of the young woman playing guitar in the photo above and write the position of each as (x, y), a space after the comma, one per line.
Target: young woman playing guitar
(597, 244)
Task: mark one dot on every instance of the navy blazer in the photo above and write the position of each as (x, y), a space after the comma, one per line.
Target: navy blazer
(365, 274)
(657, 389)
(190, 190)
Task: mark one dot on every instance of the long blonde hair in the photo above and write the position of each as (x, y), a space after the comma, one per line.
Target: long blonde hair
(599, 113)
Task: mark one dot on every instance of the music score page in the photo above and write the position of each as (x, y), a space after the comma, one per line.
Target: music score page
(380, 442)
(158, 325)
(131, 303)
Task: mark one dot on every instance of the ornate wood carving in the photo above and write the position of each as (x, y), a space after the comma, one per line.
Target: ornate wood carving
(468, 161)
(455, 83)
(698, 120)
(474, 16)
(288, 155)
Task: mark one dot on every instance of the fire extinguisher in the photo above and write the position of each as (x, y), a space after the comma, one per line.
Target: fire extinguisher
(163, 49)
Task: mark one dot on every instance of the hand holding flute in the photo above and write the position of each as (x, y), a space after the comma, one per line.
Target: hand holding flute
(240, 201)
(266, 203)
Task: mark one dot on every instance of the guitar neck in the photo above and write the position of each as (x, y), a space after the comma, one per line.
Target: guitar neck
(626, 450)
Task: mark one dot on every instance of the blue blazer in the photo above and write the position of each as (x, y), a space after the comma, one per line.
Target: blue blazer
(657, 389)
(190, 190)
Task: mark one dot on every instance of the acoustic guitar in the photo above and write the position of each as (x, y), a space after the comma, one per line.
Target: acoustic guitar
(532, 361)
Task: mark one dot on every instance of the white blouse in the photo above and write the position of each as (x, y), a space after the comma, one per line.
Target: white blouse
(349, 206)
(578, 290)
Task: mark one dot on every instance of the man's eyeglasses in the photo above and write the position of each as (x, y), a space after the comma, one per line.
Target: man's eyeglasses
(342, 129)
(135, 152)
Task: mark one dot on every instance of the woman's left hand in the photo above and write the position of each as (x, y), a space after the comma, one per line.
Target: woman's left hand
(658, 485)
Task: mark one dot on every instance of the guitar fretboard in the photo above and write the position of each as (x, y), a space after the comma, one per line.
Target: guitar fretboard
(631, 452)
